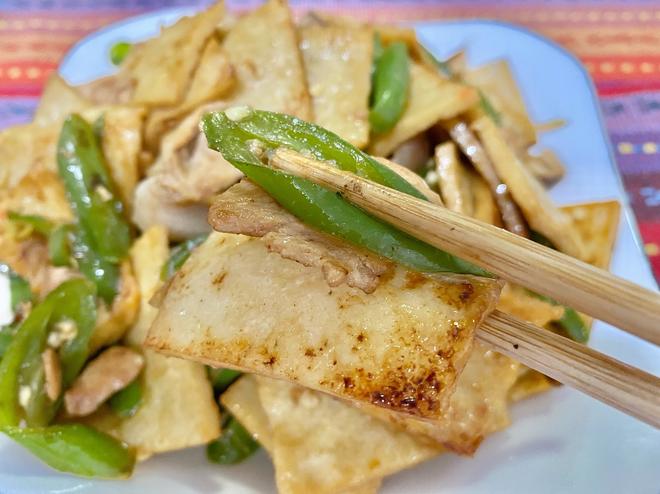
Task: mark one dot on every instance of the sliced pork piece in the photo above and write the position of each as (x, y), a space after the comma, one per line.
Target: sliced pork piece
(112, 370)
(471, 147)
(541, 213)
(453, 180)
(185, 176)
(414, 153)
(247, 209)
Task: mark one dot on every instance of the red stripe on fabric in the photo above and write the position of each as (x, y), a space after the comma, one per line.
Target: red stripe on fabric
(26, 90)
(605, 90)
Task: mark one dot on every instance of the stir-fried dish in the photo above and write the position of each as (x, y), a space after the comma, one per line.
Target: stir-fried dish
(169, 288)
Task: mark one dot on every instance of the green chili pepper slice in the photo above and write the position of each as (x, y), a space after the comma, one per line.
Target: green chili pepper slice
(76, 449)
(126, 402)
(221, 379)
(179, 255)
(6, 335)
(21, 296)
(276, 129)
(20, 299)
(119, 51)
(102, 236)
(59, 236)
(103, 273)
(31, 333)
(73, 302)
(19, 288)
(574, 325)
(377, 53)
(90, 190)
(38, 223)
(234, 445)
(570, 322)
(322, 208)
(59, 245)
(391, 81)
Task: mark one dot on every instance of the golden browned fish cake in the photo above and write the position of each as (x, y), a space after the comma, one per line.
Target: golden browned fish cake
(243, 401)
(235, 304)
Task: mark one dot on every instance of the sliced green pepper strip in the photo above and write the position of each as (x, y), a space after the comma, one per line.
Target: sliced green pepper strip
(31, 333)
(119, 51)
(59, 245)
(326, 210)
(59, 236)
(20, 294)
(6, 335)
(126, 402)
(390, 87)
(234, 445)
(73, 301)
(221, 379)
(103, 273)
(570, 322)
(574, 326)
(76, 302)
(76, 449)
(276, 129)
(19, 288)
(179, 255)
(90, 190)
(539, 238)
(377, 53)
(103, 235)
(38, 223)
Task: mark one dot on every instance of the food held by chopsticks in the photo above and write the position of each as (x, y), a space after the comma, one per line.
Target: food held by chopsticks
(142, 220)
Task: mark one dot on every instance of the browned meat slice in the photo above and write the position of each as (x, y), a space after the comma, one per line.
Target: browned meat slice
(111, 371)
(248, 210)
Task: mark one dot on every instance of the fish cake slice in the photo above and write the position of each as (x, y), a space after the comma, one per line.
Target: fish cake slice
(235, 304)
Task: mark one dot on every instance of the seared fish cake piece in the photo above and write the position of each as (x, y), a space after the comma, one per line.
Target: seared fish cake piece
(235, 304)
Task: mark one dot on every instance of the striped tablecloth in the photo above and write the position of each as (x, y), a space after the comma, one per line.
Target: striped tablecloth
(618, 41)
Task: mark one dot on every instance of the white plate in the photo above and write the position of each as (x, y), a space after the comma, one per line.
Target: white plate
(561, 441)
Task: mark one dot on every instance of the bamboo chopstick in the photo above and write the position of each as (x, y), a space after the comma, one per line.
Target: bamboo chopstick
(626, 388)
(621, 386)
(570, 281)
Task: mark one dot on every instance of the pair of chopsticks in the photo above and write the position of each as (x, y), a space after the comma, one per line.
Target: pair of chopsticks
(572, 282)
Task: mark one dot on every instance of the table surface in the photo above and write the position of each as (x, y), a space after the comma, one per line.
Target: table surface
(618, 41)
